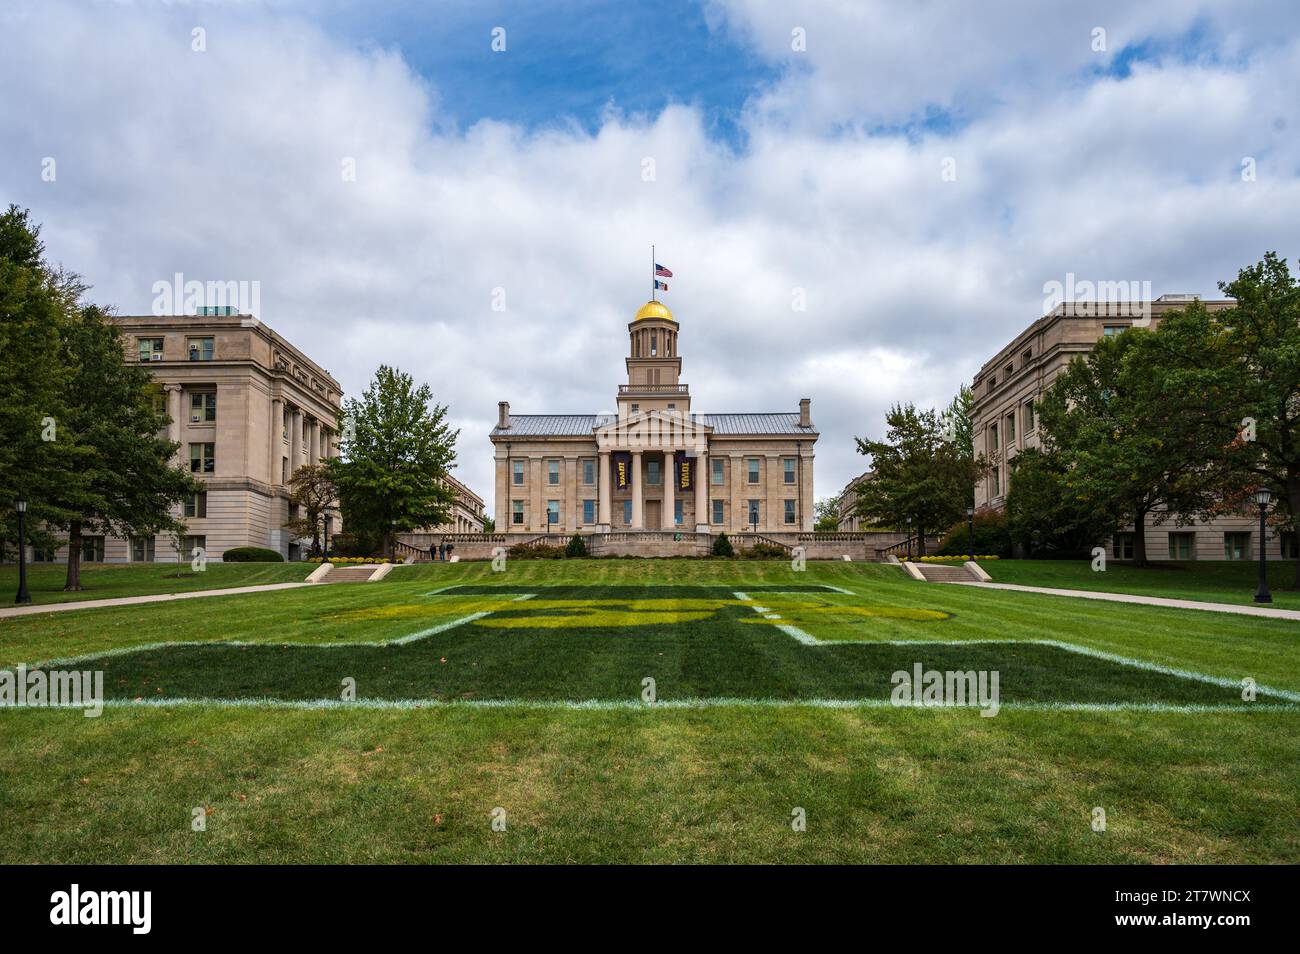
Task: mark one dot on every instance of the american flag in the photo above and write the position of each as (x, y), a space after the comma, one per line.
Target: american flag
(662, 272)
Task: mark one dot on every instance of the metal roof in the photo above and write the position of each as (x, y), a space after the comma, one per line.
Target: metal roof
(582, 425)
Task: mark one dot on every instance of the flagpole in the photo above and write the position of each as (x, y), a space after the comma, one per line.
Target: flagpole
(654, 285)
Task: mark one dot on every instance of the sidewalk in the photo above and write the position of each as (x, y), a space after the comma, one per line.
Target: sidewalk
(134, 600)
(1242, 610)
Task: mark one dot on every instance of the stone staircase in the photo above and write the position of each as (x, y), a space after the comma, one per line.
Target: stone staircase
(945, 573)
(350, 574)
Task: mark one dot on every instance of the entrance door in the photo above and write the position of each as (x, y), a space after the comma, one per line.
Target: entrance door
(654, 514)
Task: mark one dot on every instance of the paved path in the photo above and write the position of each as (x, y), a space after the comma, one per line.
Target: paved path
(151, 598)
(1242, 610)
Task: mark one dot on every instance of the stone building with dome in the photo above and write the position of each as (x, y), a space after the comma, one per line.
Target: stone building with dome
(655, 464)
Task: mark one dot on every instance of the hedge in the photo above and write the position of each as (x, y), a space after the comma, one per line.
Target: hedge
(251, 555)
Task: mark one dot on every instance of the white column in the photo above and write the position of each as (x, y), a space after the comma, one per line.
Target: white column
(174, 428)
(295, 440)
(670, 493)
(602, 485)
(277, 442)
(702, 515)
(638, 493)
(313, 433)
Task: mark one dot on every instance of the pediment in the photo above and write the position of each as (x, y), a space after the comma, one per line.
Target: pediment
(653, 429)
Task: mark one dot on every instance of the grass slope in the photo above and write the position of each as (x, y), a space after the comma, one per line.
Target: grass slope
(101, 581)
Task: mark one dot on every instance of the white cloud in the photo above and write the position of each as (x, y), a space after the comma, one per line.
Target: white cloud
(226, 165)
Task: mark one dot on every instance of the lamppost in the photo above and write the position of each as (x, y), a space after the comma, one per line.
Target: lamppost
(753, 518)
(970, 531)
(23, 596)
(325, 544)
(909, 538)
(1262, 497)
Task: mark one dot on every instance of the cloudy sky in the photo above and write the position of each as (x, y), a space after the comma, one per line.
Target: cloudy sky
(919, 169)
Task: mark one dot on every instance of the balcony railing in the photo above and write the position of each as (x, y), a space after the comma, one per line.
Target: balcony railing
(653, 389)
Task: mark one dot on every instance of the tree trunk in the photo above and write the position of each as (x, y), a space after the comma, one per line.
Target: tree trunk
(1140, 537)
(920, 539)
(73, 582)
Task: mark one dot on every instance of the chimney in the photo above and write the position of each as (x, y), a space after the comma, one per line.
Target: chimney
(805, 412)
(503, 414)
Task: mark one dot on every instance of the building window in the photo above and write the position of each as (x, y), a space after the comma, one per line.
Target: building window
(553, 511)
(197, 505)
(1029, 416)
(1289, 545)
(1008, 369)
(654, 344)
(677, 511)
(1236, 546)
(635, 408)
(993, 437)
(151, 349)
(589, 511)
(200, 349)
(1182, 546)
(517, 467)
(1123, 546)
(142, 549)
(652, 472)
(516, 511)
(1025, 355)
(191, 543)
(553, 472)
(1111, 331)
(92, 549)
(995, 481)
(789, 511)
(203, 407)
(588, 471)
(753, 511)
(718, 511)
(717, 464)
(789, 469)
(202, 458)
(751, 463)
(627, 513)
(1011, 428)
(993, 383)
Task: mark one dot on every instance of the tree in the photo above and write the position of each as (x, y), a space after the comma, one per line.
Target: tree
(957, 423)
(1118, 419)
(396, 452)
(1046, 516)
(722, 546)
(922, 472)
(312, 491)
(489, 524)
(125, 483)
(576, 547)
(828, 515)
(33, 378)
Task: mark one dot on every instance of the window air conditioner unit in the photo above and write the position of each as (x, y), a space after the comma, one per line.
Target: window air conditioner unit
(194, 419)
(155, 357)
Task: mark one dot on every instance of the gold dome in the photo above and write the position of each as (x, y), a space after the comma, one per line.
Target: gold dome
(654, 309)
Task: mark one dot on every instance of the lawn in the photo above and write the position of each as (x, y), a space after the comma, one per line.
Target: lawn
(522, 691)
(1220, 581)
(102, 581)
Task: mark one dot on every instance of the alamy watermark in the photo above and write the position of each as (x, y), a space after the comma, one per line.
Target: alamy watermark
(934, 687)
(54, 689)
(1100, 299)
(176, 296)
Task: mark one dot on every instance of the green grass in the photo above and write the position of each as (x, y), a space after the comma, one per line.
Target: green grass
(650, 784)
(1220, 581)
(101, 581)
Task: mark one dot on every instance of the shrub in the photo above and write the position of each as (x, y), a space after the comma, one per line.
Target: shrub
(991, 536)
(763, 551)
(722, 546)
(251, 555)
(577, 547)
(538, 551)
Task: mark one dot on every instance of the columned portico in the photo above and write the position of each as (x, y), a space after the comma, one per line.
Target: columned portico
(602, 492)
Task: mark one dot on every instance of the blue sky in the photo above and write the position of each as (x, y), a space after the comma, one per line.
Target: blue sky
(781, 175)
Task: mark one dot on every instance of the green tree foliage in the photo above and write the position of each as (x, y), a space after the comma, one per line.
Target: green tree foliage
(489, 524)
(828, 515)
(1119, 422)
(722, 546)
(922, 472)
(396, 454)
(1045, 515)
(312, 491)
(576, 547)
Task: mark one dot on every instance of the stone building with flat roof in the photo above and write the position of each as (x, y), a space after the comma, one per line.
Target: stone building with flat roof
(1004, 423)
(247, 408)
(654, 464)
